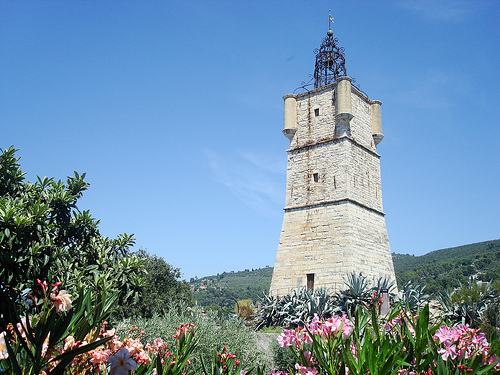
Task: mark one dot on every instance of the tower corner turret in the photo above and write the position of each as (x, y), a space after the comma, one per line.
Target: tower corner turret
(377, 121)
(290, 116)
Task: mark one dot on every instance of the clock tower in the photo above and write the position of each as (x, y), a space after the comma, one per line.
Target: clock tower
(333, 223)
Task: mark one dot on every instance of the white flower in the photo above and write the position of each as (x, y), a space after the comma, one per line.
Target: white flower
(121, 363)
(61, 300)
(3, 346)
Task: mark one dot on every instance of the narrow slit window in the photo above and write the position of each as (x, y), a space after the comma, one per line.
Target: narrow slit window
(316, 112)
(315, 177)
(310, 281)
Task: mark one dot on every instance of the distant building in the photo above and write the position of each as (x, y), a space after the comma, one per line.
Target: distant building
(333, 222)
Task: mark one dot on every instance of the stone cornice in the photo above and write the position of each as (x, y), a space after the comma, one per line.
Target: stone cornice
(334, 202)
(326, 141)
(334, 84)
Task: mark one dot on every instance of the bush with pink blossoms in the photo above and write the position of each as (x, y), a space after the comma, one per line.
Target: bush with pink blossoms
(51, 338)
(464, 348)
(402, 343)
(72, 340)
(225, 363)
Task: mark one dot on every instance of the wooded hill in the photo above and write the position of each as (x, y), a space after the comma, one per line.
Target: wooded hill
(438, 270)
(447, 268)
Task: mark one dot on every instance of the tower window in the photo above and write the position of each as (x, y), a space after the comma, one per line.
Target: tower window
(316, 112)
(310, 282)
(315, 177)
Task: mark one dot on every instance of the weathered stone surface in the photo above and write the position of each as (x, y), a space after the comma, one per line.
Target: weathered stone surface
(334, 222)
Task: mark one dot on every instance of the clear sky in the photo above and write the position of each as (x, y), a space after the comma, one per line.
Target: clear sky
(174, 110)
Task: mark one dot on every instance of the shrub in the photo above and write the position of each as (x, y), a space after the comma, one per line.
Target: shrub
(43, 235)
(213, 332)
(244, 309)
(295, 308)
(283, 359)
(300, 305)
(402, 344)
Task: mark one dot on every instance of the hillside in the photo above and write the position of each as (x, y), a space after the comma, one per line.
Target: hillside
(447, 268)
(438, 270)
(228, 287)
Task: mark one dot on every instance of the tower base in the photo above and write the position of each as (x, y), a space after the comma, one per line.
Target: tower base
(321, 244)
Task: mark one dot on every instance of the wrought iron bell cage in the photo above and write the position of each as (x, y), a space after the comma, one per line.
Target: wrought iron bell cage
(330, 61)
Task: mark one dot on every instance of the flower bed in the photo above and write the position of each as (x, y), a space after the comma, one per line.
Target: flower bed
(72, 338)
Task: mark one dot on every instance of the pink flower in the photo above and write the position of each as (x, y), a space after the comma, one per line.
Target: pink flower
(448, 351)
(99, 356)
(20, 326)
(309, 358)
(143, 357)
(443, 334)
(108, 333)
(69, 343)
(306, 370)
(185, 328)
(114, 344)
(61, 300)
(133, 346)
(287, 338)
(121, 363)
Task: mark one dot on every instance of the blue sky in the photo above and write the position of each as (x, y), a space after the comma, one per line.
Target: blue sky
(174, 110)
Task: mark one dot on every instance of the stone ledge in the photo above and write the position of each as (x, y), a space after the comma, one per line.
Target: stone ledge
(326, 141)
(334, 202)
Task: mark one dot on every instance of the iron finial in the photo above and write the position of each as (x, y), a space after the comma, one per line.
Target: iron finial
(330, 60)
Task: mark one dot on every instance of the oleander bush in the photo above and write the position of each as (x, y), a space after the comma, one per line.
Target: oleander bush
(401, 343)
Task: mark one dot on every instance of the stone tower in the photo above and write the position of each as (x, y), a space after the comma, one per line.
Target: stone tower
(333, 221)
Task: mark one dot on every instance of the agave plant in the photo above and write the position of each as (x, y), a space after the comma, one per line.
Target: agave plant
(309, 303)
(413, 296)
(294, 309)
(467, 304)
(356, 293)
(383, 283)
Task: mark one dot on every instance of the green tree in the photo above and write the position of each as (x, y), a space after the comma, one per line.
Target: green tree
(162, 289)
(43, 235)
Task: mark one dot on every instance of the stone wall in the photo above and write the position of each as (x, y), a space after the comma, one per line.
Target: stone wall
(333, 222)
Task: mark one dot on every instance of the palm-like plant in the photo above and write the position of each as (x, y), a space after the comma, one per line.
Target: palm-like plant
(413, 297)
(467, 304)
(356, 293)
(294, 309)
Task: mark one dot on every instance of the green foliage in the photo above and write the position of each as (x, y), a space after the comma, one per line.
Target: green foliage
(228, 287)
(413, 296)
(358, 291)
(223, 363)
(225, 298)
(43, 235)
(301, 305)
(376, 351)
(468, 304)
(283, 359)
(244, 309)
(186, 345)
(403, 343)
(162, 289)
(437, 271)
(295, 308)
(448, 268)
(213, 332)
(36, 342)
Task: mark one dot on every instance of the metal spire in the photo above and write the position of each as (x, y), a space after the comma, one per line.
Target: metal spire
(330, 60)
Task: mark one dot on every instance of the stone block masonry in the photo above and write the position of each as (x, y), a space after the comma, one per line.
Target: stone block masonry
(334, 221)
